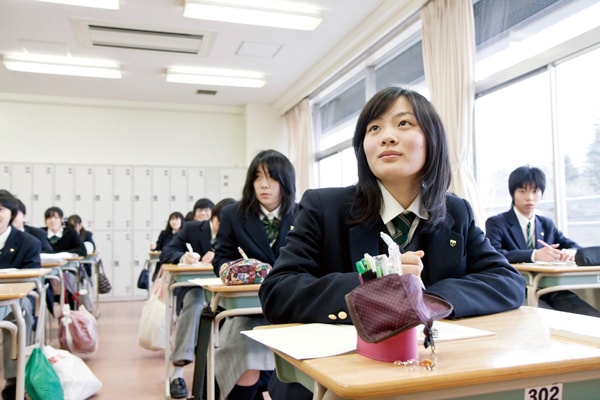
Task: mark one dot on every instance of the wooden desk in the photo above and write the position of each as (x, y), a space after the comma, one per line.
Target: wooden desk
(10, 295)
(547, 278)
(521, 356)
(236, 300)
(178, 275)
(33, 275)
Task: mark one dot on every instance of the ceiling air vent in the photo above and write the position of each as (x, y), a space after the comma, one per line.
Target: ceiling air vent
(143, 38)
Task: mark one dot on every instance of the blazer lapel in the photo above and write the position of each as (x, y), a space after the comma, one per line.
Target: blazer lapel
(515, 230)
(539, 233)
(256, 232)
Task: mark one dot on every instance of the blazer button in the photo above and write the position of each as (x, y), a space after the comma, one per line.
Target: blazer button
(332, 317)
(342, 315)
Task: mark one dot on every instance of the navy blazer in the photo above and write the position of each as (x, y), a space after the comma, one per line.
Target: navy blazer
(163, 240)
(316, 268)
(505, 234)
(21, 250)
(248, 233)
(196, 233)
(42, 236)
(70, 242)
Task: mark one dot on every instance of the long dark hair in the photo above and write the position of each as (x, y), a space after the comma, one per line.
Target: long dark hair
(177, 214)
(280, 169)
(436, 173)
(72, 222)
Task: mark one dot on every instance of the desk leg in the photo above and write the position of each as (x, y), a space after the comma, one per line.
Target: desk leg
(20, 389)
(169, 323)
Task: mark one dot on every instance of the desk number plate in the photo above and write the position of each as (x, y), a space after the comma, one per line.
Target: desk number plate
(548, 392)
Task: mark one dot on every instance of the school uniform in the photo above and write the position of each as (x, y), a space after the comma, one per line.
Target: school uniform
(190, 300)
(69, 242)
(20, 250)
(236, 353)
(505, 234)
(316, 269)
(42, 236)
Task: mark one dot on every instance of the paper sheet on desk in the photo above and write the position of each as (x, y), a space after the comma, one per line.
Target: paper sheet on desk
(47, 257)
(324, 340)
(206, 281)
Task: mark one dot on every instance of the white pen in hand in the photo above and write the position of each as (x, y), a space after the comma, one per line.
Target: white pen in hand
(242, 253)
(189, 247)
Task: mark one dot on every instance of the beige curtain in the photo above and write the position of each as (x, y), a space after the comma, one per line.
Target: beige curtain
(300, 130)
(449, 59)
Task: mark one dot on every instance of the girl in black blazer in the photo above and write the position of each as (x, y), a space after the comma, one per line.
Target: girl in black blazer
(268, 200)
(403, 166)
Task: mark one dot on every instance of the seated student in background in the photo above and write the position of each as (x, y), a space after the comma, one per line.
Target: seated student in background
(17, 250)
(190, 300)
(174, 225)
(403, 168)
(202, 209)
(523, 236)
(74, 222)
(259, 225)
(20, 223)
(62, 239)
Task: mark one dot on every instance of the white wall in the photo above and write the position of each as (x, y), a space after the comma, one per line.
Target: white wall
(97, 133)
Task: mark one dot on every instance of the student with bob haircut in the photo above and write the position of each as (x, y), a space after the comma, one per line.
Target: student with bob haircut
(403, 174)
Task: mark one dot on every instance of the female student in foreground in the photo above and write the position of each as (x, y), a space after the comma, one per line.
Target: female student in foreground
(403, 166)
(258, 224)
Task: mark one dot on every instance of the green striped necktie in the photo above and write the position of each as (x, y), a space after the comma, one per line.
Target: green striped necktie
(402, 223)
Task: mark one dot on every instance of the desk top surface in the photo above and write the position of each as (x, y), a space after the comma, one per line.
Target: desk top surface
(522, 348)
(555, 268)
(24, 273)
(11, 291)
(181, 268)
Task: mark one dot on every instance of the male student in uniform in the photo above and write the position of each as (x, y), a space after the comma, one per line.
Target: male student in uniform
(524, 236)
(17, 250)
(20, 223)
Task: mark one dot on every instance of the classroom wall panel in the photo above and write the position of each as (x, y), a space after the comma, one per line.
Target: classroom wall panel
(22, 181)
(160, 197)
(104, 244)
(103, 197)
(83, 204)
(196, 187)
(141, 247)
(122, 266)
(64, 190)
(5, 176)
(179, 189)
(122, 195)
(42, 193)
(142, 198)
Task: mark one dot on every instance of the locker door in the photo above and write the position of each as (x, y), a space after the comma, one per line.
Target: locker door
(160, 198)
(84, 196)
(232, 182)
(5, 177)
(179, 190)
(64, 181)
(22, 187)
(103, 197)
(196, 188)
(42, 196)
(122, 198)
(122, 265)
(142, 198)
(104, 246)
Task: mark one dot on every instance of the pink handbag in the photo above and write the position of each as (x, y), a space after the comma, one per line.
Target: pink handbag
(78, 330)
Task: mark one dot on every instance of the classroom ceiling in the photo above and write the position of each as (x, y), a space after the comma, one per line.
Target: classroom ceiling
(282, 55)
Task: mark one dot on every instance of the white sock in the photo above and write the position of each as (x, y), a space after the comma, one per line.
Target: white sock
(177, 372)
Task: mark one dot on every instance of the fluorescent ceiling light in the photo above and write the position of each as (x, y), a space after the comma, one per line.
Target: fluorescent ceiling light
(109, 4)
(216, 77)
(62, 65)
(278, 14)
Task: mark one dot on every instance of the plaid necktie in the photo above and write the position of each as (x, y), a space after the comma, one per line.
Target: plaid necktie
(529, 236)
(402, 223)
(272, 229)
(53, 240)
